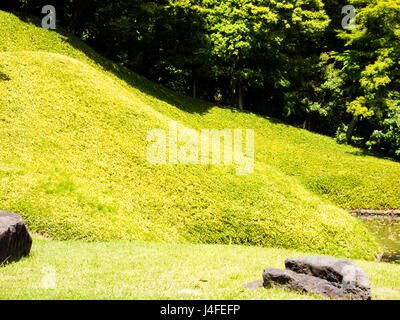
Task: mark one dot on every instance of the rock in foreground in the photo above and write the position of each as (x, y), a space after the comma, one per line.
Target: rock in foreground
(344, 274)
(301, 282)
(15, 240)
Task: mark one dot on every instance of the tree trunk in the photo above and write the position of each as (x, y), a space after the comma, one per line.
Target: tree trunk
(350, 129)
(378, 143)
(307, 123)
(233, 92)
(194, 89)
(240, 97)
(77, 18)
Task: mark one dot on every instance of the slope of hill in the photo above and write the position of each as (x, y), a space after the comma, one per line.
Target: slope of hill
(73, 161)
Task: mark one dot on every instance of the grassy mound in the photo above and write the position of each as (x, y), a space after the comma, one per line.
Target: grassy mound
(73, 161)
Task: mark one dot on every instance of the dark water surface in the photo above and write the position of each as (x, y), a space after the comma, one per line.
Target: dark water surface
(387, 230)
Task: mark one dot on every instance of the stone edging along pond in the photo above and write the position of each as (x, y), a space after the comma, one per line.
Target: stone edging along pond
(367, 212)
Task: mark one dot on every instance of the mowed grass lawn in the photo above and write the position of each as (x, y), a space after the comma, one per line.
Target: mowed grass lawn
(130, 270)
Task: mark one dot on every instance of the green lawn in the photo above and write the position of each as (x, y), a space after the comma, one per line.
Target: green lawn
(133, 270)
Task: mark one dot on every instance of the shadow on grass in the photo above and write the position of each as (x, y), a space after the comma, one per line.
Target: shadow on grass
(4, 77)
(143, 84)
(370, 153)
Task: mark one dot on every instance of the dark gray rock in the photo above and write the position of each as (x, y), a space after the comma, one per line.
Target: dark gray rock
(291, 280)
(15, 240)
(344, 274)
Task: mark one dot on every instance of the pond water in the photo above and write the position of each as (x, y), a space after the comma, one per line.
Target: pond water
(387, 230)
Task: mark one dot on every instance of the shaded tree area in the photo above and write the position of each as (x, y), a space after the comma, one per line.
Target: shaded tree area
(291, 60)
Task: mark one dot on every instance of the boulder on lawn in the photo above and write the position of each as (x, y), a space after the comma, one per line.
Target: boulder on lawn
(291, 280)
(344, 274)
(15, 240)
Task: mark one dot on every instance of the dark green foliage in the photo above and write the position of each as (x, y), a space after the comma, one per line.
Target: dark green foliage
(371, 70)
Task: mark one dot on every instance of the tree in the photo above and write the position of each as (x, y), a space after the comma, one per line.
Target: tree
(370, 65)
(253, 42)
